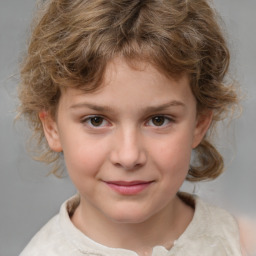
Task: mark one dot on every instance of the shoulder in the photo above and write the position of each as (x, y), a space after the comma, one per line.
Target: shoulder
(212, 231)
(219, 226)
(209, 218)
(51, 239)
(220, 222)
(44, 240)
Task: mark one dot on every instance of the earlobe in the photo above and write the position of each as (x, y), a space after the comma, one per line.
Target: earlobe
(51, 131)
(203, 123)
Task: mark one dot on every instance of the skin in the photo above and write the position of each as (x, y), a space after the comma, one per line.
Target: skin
(247, 227)
(127, 148)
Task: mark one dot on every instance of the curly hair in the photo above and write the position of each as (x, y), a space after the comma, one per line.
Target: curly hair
(72, 42)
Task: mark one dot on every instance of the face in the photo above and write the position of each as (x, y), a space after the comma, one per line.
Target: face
(127, 146)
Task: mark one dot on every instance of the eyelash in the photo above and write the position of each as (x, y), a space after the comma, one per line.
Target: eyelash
(166, 121)
(88, 120)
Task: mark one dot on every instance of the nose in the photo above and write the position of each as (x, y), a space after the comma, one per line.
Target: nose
(128, 151)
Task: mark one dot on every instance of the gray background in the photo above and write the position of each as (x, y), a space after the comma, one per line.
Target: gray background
(28, 198)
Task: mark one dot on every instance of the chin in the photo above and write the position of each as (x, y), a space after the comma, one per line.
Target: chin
(130, 216)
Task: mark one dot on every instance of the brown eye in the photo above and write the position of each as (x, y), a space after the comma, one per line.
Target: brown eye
(158, 120)
(96, 121)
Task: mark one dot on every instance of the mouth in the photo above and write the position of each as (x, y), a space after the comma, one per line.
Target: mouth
(128, 187)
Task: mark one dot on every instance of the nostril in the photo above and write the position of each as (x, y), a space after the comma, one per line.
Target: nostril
(128, 152)
(128, 167)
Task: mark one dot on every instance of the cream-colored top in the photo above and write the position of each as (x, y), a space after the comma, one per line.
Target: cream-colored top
(211, 232)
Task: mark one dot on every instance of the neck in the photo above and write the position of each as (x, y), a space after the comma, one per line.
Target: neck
(161, 229)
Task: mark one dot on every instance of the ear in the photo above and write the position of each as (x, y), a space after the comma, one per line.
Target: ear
(50, 131)
(203, 122)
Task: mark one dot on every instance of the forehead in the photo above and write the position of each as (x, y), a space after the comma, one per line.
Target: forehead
(126, 86)
(142, 77)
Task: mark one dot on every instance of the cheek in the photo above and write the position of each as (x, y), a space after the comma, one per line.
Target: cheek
(173, 155)
(84, 157)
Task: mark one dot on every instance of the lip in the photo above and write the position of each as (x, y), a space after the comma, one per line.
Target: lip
(128, 187)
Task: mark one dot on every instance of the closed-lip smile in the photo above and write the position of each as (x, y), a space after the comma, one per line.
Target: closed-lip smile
(128, 187)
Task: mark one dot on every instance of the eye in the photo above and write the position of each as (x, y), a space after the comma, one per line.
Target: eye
(95, 121)
(159, 121)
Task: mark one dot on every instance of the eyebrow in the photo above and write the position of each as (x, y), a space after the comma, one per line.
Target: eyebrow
(105, 108)
(92, 107)
(165, 106)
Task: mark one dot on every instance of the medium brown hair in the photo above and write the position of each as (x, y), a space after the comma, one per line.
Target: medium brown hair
(73, 41)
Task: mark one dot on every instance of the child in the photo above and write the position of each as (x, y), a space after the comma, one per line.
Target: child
(125, 90)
